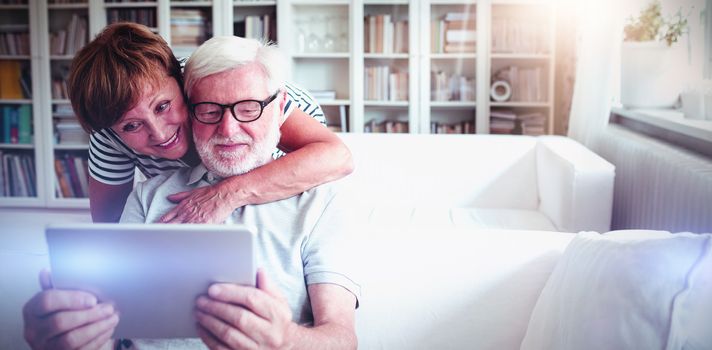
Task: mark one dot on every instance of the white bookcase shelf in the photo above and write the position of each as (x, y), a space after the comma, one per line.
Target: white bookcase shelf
(341, 65)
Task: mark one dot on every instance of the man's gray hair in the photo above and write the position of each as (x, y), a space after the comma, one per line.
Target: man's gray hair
(224, 53)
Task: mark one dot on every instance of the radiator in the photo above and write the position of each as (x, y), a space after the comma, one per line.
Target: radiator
(658, 186)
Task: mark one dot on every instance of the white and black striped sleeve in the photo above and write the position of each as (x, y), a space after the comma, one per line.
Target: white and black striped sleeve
(107, 164)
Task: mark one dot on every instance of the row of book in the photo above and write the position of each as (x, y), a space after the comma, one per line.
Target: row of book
(17, 175)
(69, 40)
(189, 27)
(383, 35)
(59, 88)
(14, 39)
(16, 81)
(145, 16)
(528, 84)
(506, 121)
(72, 176)
(68, 1)
(451, 87)
(257, 27)
(463, 127)
(386, 126)
(383, 83)
(16, 124)
(453, 33)
(519, 35)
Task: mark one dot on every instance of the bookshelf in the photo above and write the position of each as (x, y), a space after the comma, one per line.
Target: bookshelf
(362, 86)
(20, 124)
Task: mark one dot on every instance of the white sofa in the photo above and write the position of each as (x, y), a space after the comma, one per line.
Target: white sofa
(459, 245)
(548, 183)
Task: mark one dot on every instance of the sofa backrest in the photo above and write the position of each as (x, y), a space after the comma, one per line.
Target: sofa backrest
(492, 171)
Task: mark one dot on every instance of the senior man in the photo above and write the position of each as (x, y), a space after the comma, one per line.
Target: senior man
(304, 297)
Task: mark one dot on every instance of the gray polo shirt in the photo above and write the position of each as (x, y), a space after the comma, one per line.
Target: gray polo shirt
(301, 240)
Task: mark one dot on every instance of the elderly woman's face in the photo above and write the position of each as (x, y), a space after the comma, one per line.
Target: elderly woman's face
(158, 125)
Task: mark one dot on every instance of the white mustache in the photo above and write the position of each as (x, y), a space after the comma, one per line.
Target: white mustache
(229, 140)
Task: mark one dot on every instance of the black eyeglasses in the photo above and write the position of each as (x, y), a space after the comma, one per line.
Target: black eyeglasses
(243, 111)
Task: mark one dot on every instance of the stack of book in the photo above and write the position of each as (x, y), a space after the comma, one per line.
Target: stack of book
(71, 172)
(386, 126)
(451, 87)
(532, 123)
(68, 41)
(383, 84)
(16, 124)
(528, 84)
(257, 27)
(453, 33)
(69, 132)
(502, 121)
(382, 35)
(14, 39)
(145, 16)
(16, 81)
(505, 121)
(519, 35)
(17, 175)
(323, 95)
(188, 27)
(463, 127)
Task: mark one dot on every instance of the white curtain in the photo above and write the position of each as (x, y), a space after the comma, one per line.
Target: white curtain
(597, 68)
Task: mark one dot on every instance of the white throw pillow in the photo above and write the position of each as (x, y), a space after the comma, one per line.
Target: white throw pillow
(625, 290)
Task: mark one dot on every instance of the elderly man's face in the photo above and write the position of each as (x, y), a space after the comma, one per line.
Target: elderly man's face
(231, 147)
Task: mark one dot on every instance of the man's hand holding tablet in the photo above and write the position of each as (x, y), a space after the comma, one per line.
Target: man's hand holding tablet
(151, 274)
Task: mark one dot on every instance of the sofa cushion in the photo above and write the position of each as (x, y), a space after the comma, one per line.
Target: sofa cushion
(620, 290)
(493, 171)
(393, 216)
(426, 288)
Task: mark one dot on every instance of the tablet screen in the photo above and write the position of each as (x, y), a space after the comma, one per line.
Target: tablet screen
(152, 273)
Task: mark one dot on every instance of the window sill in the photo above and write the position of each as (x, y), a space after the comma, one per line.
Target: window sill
(669, 125)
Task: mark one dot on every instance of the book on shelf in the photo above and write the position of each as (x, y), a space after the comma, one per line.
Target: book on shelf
(386, 126)
(455, 32)
(323, 95)
(383, 35)
(145, 16)
(382, 83)
(256, 27)
(70, 132)
(17, 175)
(11, 82)
(16, 124)
(507, 121)
(188, 26)
(528, 83)
(451, 87)
(69, 40)
(71, 176)
(14, 39)
(519, 35)
(462, 127)
(343, 121)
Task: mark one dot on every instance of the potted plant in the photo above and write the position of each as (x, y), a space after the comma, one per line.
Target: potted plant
(649, 78)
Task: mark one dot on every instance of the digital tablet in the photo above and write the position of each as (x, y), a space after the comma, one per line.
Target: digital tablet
(152, 273)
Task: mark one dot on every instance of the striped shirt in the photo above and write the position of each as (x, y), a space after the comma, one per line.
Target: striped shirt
(112, 162)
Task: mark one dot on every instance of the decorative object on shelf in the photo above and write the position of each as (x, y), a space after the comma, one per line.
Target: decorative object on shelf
(649, 62)
(500, 91)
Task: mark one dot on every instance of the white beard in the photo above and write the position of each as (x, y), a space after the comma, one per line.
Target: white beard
(226, 164)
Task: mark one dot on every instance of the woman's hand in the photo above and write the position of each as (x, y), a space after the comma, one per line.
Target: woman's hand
(204, 205)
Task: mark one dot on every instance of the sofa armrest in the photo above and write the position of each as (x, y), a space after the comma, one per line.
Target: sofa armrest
(575, 185)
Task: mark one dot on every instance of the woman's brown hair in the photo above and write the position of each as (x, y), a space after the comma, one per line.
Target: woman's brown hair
(108, 75)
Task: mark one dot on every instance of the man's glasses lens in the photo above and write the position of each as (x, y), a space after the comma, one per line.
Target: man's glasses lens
(212, 112)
